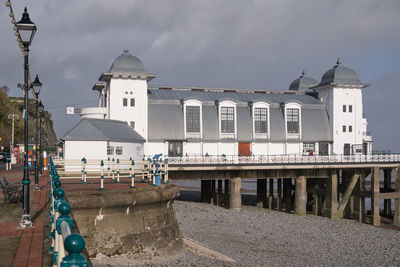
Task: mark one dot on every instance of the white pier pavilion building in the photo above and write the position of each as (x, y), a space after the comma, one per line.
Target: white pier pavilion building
(311, 117)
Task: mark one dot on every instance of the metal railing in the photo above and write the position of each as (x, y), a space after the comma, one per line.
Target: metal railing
(151, 170)
(66, 246)
(283, 159)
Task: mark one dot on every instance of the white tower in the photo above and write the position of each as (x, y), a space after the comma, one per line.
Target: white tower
(341, 90)
(124, 92)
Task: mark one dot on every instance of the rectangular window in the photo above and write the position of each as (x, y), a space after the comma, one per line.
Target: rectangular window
(308, 147)
(118, 150)
(125, 102)
(344, 108)
(344, 128)
(227, 120)
(132, 124)
(350, 108)
(192, 119)
(110, 150)
(260, 120)
(350, 128)
(292, 118)
(132, 102)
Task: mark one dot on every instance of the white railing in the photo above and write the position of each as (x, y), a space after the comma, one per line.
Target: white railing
(283, 159)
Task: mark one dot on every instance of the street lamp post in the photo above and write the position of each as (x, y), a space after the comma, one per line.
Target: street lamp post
(41, 117)
(26, 29)
(36, 85)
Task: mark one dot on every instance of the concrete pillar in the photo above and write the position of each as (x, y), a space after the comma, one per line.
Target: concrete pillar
(271, 194)
(376, 218)
(206, 191)
(235, 202)
(261, 193)
(396, 218)
(300, 202)
(213, 195)
(226, 193)
(279, 197)
(287, 190)
(219, 193)
(331, 200)
(387, 187)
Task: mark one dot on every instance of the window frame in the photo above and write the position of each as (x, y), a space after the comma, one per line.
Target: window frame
(227, 104)
(193, 103)
(124, 102)
(350, 128)
(110, 150)
(131, 102)
(292, 135)
(350, 108)
(119, 150)
(344, 108)
(261, 105)
(344, 128)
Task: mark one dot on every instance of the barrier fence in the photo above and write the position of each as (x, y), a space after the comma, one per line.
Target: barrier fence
(66, 246)
(152, 170)
(282, 159)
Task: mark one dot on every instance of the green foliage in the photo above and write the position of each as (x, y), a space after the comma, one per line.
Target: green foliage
(15, 105)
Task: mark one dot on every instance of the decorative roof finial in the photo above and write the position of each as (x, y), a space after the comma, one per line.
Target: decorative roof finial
(303, 73)
(338, 62)
(126, 52)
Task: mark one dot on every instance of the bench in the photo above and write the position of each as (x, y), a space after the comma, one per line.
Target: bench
(11, 191)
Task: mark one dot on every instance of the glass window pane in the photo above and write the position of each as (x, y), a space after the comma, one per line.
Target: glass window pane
(227, 120)
(292, 118)
(193, 119)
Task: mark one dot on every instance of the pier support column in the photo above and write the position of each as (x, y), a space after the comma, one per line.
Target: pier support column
(279, 196)
(219, 193)
(287, 191)
(261, 193)
(271, 194)
(300, 196)
(396, 219)
(213, 197)
(226, 193)
(206, 192)
(387, 187)
(331, 201)
(235, 202)
(376, 218)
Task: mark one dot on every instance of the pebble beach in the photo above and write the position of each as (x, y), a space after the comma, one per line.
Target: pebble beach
(261, 237)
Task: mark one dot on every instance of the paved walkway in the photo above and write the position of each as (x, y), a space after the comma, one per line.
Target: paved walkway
(23, 247)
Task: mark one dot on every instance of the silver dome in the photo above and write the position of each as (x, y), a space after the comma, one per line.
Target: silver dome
(127, 63)
(340, 74)
(303, 83)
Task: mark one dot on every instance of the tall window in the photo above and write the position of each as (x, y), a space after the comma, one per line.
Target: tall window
(350, 108)
(350, 128)
(344, 108)
(292, 119)
(227, 120)
(260, 120)
(118, 150)
(132, 102)
(308, 147)
(125, 102)
(344, 128)
(192, 119)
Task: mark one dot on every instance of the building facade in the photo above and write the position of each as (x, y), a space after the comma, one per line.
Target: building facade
(310, 117)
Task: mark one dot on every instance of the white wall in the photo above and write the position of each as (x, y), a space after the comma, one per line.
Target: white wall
(129, 88)
(276, 148)
(155, 148)
(226, 148)
(134, 150)
(76, 150)
(192, 148)
(259, 148)
(294, 148)
(210, 148)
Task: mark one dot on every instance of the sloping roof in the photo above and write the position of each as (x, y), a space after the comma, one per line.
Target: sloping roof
(302, 83)
(340, 74)
(166, 123)
(155, 94)
(103, 130)
(127, 63)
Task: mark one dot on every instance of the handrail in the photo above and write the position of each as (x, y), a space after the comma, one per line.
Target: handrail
(66, 247)
(152, 170)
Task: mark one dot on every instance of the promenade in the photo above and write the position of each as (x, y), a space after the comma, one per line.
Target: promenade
(24, 247)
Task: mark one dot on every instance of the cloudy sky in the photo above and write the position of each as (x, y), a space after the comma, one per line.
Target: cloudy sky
(217, 43)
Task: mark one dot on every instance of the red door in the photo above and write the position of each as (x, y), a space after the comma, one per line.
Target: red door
(244, 149)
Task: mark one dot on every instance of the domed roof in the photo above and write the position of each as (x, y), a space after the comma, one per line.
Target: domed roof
(126, 63)
(340, 74)
(303, 83)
